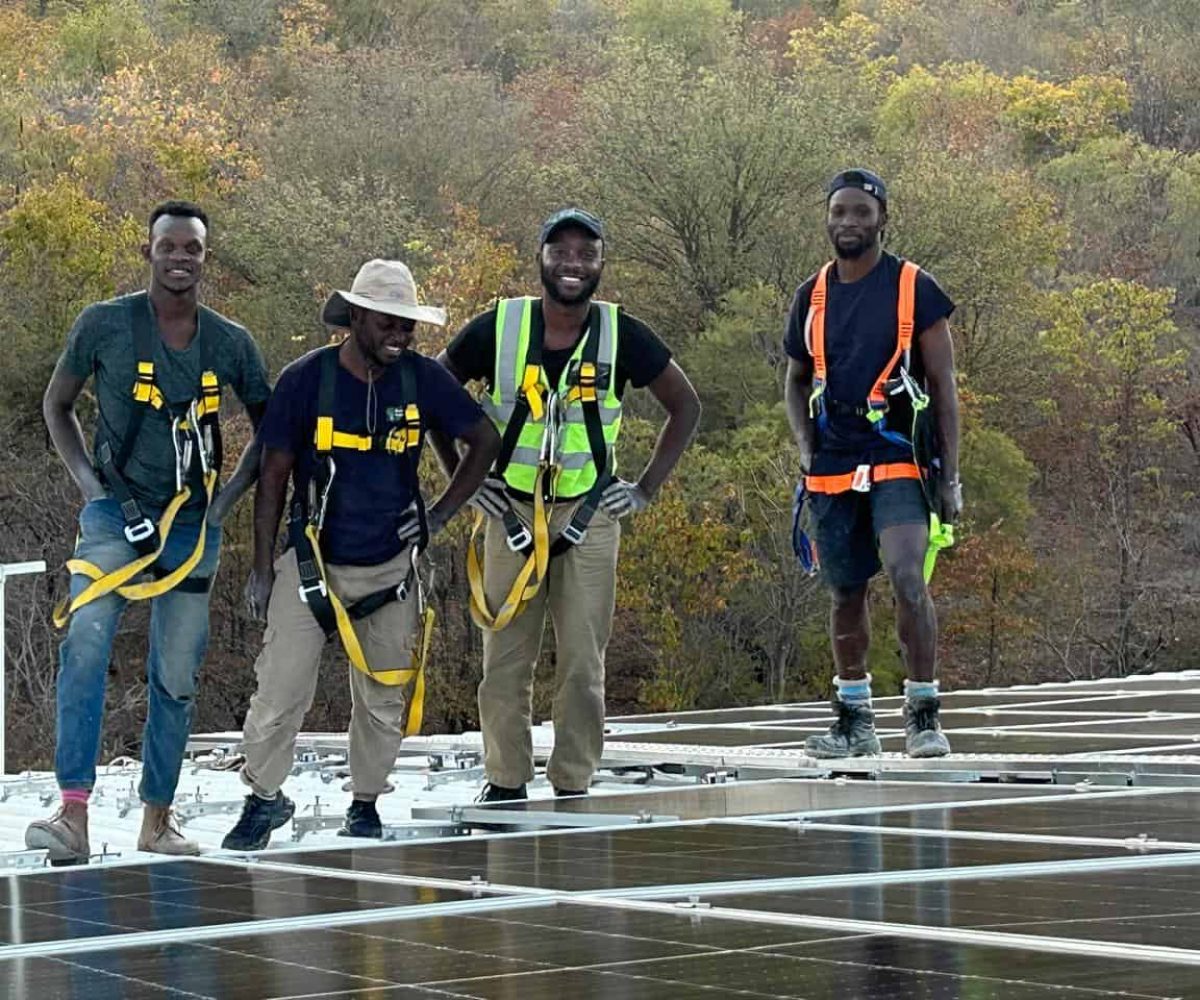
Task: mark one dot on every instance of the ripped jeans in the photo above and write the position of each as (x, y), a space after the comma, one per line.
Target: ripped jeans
(178, 642)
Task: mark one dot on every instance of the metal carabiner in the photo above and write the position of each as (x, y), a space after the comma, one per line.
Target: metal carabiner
(318, 516)
(549, 447)
(194, 423)
(183, 452)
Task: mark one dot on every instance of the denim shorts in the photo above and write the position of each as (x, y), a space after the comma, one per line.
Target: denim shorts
(846, 527)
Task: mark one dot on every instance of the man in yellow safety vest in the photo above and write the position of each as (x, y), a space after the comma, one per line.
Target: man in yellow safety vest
(556, 368)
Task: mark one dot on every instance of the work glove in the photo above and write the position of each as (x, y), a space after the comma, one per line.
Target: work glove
(621, 498)
(258, 592)
(491, 499)
(950, 500)
(409, 529)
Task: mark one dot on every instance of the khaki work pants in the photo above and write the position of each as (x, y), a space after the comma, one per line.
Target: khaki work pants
(287, 670)
(580, 593)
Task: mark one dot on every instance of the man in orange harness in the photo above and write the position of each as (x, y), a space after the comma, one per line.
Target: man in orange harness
(867, 337)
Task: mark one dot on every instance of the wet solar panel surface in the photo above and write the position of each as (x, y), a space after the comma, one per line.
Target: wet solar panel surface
(913, 888)
(666, 855)
(1158, 908)
(1169, 815)
(585, 951)
(787, 797)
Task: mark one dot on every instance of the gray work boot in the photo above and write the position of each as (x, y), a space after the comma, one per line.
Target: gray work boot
(851, 735)
(161, 835)
(64, 836)
(923, 736)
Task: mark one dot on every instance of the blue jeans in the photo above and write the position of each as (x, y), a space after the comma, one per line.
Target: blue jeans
(178, 642)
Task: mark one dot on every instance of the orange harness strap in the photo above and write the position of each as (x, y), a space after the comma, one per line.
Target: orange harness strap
(815, 333)
(904, 331)
(816, 321)
(863, 478)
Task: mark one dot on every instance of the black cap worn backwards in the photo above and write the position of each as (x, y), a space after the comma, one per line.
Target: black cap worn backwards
(864, 180)
(571, 217)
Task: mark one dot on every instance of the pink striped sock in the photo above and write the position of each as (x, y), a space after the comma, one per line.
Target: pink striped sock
(79, 795)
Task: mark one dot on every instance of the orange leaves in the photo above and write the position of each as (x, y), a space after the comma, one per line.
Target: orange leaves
(472, 267)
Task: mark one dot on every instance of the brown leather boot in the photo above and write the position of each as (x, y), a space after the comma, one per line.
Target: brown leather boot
(160, 833)
(64, 836)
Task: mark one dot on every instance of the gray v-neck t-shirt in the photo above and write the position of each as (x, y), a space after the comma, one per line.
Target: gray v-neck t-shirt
(100, 345)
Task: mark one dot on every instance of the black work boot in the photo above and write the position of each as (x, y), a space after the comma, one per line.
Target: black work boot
(563, 793)
(923, 736)
(498, 793)
(851, 735)
(362, 820)
(260, 816)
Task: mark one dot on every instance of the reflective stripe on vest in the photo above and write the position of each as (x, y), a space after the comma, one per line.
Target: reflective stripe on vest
(574, 461)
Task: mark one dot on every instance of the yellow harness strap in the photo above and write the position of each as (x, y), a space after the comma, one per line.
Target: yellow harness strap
(531, 387)
(350, 643)
(528, 580)
(105, 583)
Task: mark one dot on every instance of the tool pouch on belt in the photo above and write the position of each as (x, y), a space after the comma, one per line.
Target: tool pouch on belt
(802, 545)
(927, 451)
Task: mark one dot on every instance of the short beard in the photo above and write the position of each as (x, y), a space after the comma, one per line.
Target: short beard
(851, 253)
(586, 290)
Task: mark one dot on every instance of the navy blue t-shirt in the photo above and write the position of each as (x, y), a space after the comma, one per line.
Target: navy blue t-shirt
(860, 338)
(371, 490)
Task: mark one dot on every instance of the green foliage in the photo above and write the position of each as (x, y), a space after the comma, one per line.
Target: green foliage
(291, 243)
(702, 190)
(1133, 210)
(998, 478)
(388, 117)
(697, 30)
(738, 357)
(59, 251)
(245, 26)
(1116, 340)
(103, 37)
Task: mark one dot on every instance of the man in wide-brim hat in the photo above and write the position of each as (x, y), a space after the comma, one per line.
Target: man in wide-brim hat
(349, 420)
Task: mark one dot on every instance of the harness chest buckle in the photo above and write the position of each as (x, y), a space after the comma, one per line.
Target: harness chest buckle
(862, 479)
(573, 534)
(516, 542)
(139, 532)
(314, 588)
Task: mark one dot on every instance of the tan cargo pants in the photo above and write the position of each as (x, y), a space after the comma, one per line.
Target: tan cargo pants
(580, 593)
(287, 671)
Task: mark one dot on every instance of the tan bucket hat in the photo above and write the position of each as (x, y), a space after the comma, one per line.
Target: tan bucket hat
(386, 286)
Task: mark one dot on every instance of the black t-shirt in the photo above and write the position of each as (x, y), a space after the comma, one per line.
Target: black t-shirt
(860, 339)
(641, 355)
(372, 490)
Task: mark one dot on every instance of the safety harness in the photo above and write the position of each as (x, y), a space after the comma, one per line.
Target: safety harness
(196, 437)
(585, 381)
(401, 438)
(893, 380)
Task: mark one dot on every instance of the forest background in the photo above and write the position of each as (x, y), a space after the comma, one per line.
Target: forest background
(1043, 160)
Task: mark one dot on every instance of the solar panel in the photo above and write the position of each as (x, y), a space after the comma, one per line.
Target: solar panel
(594, 952)
(1160, 908)
(164, 896)
(773, 714)
(678, 854)
(790, 797)
(1165, 815)
(771, 888)
(713, 737)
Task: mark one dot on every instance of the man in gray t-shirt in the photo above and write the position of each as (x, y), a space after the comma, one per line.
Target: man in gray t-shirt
(148, 529)
(99, 346)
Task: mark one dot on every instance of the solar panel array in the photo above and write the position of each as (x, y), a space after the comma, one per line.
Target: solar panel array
(1014, 879)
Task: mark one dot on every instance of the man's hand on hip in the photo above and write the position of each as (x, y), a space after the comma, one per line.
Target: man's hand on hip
(621, 498)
